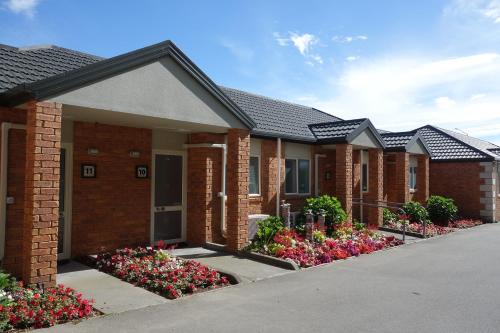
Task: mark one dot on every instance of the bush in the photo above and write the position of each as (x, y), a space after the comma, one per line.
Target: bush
(389, 216)
(334, 214)
(416, 212)
(267, 228)
(441, 210)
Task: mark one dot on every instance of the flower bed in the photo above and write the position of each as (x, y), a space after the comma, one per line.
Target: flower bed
(465, 223)
(346, 242)
(22, 308)
(431, 229)
(159, 272)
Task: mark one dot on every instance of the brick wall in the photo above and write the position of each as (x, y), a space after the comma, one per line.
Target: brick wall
(238, 157)
(112, 210)
(422, 193)
(204, 184)
(344, 177)
(375, 186)
(459, 181)
(41, 203)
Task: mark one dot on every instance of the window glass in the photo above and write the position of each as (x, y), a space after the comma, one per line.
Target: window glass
(412, 181)
(303, 176)
(290, 176)
(364, 171)
(253, 174)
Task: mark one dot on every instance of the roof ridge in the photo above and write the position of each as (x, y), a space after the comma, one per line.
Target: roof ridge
(413, 132)
(472, 137)
(338, 121)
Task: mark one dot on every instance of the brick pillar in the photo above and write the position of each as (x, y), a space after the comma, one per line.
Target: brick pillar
(422, 193)
(343, 177)
(238, 156)
(356, 183)
(376, 185)
(41, 208)
(402, 170)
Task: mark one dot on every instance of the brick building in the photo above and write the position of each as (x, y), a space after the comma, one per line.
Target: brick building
(99, 153)
(466, 169)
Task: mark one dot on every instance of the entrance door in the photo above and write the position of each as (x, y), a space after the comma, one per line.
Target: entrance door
(168, 221)
(64, 229)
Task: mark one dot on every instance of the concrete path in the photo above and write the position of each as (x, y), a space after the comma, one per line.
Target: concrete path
(248, 270)
(110, 294)
(444, 284)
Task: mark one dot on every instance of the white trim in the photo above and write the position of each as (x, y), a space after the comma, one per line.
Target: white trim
(259, 161)
(4, 156)
(68, 203)
(182, 207)
(297, 176)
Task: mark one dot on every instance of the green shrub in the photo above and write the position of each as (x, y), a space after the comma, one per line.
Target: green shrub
(267, 228)
(416, 212)
(389, 216)
(441, 210)
(334, 214)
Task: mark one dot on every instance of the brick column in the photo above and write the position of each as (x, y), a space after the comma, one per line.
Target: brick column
(402, 173)
(422, 193)
(41, 208)
(376, 185)
(343, 177)
(238, 156)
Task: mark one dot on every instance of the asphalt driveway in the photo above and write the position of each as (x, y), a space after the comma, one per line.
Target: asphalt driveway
(445, 284)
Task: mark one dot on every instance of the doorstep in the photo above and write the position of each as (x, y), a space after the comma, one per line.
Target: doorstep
(245, 269)
(110, 294)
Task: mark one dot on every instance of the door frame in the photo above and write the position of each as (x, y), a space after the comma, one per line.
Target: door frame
(68, 201)
(183, 154)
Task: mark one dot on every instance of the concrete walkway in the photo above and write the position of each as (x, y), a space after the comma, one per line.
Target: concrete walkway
(246, 269)
(110, 294)
(444, 284)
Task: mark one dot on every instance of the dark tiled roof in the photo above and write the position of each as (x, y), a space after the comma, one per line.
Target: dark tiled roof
(495, 151)
(397, 139)
(27, 65)
(444, 146)
(482, 145)
(278, 118)
(335, 130)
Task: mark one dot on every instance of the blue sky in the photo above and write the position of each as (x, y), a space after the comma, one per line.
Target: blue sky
(403, 64)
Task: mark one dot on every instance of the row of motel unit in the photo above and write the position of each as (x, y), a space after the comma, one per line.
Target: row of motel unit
(98, 154)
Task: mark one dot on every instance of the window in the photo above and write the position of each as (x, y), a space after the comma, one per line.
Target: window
(254, 176)
(297, 175)
(412, 180)
(364, 170)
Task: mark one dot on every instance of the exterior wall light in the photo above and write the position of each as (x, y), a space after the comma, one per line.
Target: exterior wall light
(135, 153)
(93, 151)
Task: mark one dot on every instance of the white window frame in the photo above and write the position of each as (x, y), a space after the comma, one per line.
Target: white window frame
(365, 160)
(258, 176)
(413, 174)
(296, 160)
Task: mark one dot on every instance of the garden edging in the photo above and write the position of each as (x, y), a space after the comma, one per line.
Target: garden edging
(269, 260)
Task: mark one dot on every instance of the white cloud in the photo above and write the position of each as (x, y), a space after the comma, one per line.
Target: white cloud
(26, 7)
(348, 39)
(352, 58)
(487, 9)
(303, 43)
(400, 93)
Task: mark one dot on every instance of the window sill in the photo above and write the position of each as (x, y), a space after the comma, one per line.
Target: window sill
(413, 191)
(254, 196)
(297, 195)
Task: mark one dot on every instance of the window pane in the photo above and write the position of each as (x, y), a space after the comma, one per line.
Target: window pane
(303, 176)
(253, 173)
(364, 177)
(290, 176)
